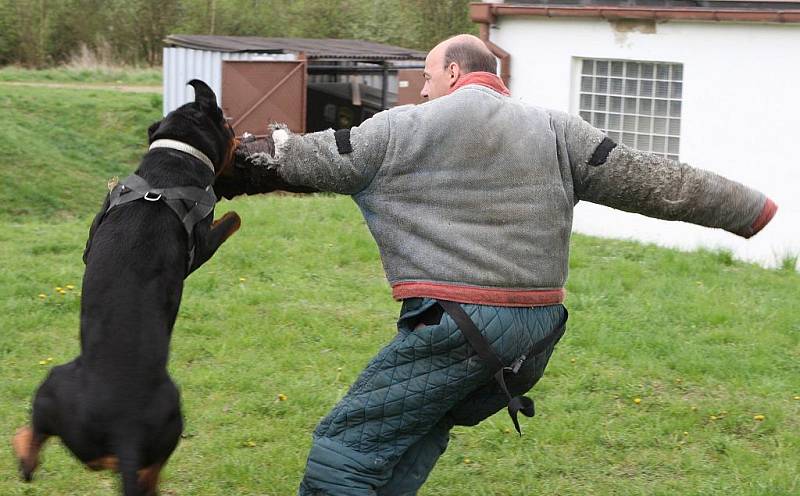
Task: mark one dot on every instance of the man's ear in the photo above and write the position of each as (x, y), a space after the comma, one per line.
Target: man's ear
(454, 73)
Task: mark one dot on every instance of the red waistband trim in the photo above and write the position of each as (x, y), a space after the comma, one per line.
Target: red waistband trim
(478, 295)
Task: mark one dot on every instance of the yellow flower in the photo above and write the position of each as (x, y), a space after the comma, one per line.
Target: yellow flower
(282, 397)
(685, 433)
(467, 461)
(49, 359)
(242, 279)
(250, 443)
(42, 362)
(59, 289)
(797, 397)
(637, 400)
(713, 417)
(573, 360)
(42, 296)
(70, 286)
(759, 418)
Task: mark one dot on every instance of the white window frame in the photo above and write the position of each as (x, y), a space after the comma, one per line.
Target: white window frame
(640, 128)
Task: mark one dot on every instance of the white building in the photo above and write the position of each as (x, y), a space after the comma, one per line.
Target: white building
(711, 83)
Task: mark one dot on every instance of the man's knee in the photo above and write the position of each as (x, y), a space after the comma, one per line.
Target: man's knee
(335, 469)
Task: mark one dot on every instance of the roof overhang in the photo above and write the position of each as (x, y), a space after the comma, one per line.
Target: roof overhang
(489, 12)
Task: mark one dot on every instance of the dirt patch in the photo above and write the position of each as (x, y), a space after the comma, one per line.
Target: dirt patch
(124, 88)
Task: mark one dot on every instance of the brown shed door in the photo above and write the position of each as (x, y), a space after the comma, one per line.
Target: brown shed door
(256, 93)
(409, 84)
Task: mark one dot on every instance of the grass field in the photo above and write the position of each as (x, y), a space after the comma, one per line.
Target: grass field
(296, 303)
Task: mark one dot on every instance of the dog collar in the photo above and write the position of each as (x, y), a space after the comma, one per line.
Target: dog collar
(183, 147)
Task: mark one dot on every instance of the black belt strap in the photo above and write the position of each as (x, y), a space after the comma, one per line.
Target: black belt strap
(516, 404)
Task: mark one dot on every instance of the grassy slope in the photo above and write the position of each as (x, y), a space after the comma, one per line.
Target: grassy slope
(60, 146)
(692, 335)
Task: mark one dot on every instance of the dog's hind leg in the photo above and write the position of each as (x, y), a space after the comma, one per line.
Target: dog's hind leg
(27, 443)
(208, 242)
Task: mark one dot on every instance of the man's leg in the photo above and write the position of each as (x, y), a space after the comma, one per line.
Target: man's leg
(402, 394)
(417, 462)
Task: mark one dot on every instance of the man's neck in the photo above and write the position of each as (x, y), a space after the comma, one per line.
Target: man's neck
(486, 79)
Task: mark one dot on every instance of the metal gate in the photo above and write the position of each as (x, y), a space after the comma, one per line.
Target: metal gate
(256, 93)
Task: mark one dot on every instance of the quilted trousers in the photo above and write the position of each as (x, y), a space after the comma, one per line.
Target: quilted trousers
(384, 437)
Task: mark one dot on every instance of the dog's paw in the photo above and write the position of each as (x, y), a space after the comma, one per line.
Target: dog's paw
(229, 223)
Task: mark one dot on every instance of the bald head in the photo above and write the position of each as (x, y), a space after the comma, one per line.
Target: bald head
(451, 59)
(470, 53)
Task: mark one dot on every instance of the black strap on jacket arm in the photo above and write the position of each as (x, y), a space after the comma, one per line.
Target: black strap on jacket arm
(516, 404)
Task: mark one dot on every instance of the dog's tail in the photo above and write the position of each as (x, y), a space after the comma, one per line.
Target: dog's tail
(129, 456)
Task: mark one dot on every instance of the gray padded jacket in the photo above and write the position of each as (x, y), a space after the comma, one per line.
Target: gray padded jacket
(470, 196)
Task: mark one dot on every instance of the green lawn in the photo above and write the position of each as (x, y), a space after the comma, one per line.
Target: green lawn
(296, 303)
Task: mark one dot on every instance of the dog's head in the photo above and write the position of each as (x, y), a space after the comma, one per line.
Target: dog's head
(201, 124)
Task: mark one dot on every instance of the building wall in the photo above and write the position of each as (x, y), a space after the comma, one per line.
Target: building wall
(740, 112)
(184, 64)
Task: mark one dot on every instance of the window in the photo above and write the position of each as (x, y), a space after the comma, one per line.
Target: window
(635, 103)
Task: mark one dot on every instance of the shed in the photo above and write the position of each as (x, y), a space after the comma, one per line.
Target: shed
(709, 82)
(310, 84)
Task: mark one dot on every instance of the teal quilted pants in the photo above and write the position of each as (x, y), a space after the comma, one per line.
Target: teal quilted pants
(384, 437)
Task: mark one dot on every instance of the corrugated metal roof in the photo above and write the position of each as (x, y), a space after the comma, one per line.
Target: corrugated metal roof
(321, 48)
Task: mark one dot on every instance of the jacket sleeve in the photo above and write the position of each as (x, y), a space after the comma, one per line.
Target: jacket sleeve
(620, 177)
(343, 161)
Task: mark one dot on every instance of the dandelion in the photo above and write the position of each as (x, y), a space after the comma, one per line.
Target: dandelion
(70, 287)
(758, 418)
(42, 296)
(637, 400)
(467, 461)
(713, 417)
(42, 362)
(678, 380)
(573, 360)
(242, 279)
(797, 398)
(685, 433)
(282, 397)
(49, 359)
(250, 443)
(59, 289)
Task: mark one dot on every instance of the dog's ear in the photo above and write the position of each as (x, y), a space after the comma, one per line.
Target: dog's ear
(152, 130)
(203, 95)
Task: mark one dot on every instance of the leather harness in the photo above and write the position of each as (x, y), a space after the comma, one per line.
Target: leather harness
(201, 202)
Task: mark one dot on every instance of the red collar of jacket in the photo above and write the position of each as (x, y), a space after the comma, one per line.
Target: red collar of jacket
(486, 79)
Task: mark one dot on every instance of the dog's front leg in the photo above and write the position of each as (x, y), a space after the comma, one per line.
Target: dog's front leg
(208, 242)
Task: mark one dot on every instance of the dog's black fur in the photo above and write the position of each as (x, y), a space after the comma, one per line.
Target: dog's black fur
(115, 406)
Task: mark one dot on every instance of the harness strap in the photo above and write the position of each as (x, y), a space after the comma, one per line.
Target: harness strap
(202, 202)
(516, 404)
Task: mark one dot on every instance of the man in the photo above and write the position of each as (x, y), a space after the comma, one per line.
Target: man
(469, 197)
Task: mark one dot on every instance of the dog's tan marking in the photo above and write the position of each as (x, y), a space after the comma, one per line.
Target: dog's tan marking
(22, 442)
(235, 227)
(148, 478)
(26, 448)
(108, 462)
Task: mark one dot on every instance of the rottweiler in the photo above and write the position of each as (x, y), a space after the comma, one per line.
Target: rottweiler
(115, 406)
